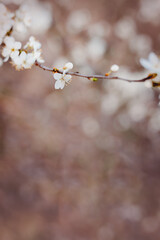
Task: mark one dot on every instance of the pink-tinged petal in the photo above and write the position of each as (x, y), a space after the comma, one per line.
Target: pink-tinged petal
(17, 45)
(67, 78)
(145, 63)
(57, 76)
(153, 58)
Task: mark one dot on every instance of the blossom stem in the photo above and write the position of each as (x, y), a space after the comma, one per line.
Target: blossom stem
(90, 77)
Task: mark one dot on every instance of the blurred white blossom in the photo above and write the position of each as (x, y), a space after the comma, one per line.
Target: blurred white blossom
(143, 44)
(125, 28)
(22, 18)
(33, 17)
(96, 48)
(149, 11)
(6, 21)
(79, 54)
(41, 15)
(78, 21)
(152, 63)
(99, 29)
(90, 127)
(110, 103)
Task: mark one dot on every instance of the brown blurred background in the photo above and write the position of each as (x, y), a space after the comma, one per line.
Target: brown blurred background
(83, 163)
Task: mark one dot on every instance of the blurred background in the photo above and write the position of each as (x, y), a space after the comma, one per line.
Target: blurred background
(82, 163)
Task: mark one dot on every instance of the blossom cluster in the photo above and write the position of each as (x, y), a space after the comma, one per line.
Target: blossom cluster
(24, 57)
(6, 21)
(152, 63)
(21, 57)
(19, 20)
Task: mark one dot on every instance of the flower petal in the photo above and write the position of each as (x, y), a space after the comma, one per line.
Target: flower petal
(68, 65)
(57, 76)
(6, 59)
(17, 62)
(14, 54)
(62, 84)
(153, 58)
(40, 60)
(145, 63)
(59, 84)
(23, 56)
(37, 45)
(32, 39)
(9, 41)
(17, 45)
(67, 77)
(6, 52)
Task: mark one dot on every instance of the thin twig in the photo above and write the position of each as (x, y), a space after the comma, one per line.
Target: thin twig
(53, 70)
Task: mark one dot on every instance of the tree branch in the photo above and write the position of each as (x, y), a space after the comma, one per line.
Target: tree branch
(96, 77)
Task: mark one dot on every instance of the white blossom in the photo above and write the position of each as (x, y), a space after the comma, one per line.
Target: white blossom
(22, 19)
(41, 16)
(37, 56)
(6, 21)
(68, 66)
(33, 44)
(61, 80)
(152, 63)
(24, 60)
(114, 68)
(11, 48)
